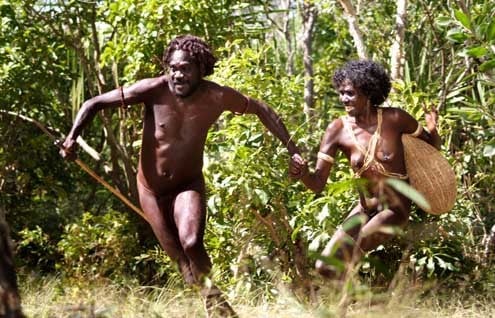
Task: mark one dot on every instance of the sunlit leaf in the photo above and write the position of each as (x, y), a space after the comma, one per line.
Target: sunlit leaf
(490, 31)
(353, 222)
(456, 35)
(477, 52)
(443, 21)
(463, 19)
(413, 194)
(489, 151)
(323, 214)
(488, 65)
(262, 196)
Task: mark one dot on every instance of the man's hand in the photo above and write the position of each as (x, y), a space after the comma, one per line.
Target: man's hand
(298, 167)
(68, 149)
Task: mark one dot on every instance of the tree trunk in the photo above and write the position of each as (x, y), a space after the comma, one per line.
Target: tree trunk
(490, 245)
(351, 17)
(286, 4)
(396, 50)
(10, 301)
(308, 14)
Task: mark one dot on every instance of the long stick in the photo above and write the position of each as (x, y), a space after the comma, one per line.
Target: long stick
(110, 188)
(81, 164)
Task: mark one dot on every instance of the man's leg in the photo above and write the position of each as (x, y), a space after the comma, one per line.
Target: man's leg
(189, 209)
(190, 218)
(157, 211)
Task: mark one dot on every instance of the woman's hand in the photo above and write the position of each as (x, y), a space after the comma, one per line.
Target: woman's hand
(431, 118)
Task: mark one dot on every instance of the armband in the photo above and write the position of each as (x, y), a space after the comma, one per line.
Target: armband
(418, 131)
(245, 108)
(325, 157)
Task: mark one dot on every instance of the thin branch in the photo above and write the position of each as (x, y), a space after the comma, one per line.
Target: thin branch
(351, 17)
(396, 50)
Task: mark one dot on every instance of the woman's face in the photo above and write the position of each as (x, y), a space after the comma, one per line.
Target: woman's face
(354, 101)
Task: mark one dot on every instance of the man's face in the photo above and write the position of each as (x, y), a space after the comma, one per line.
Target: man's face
(184, 74)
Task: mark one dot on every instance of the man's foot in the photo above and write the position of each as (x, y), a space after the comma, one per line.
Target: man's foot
(215, 303)
(329, 272)
(186, 272)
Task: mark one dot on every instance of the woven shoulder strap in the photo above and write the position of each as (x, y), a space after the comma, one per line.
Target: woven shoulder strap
(369, 153)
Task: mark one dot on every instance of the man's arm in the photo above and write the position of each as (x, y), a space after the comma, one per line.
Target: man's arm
(133, 94)
(241, 104)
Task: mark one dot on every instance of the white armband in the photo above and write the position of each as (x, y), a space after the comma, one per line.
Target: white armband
(325, 157)
(418, 131)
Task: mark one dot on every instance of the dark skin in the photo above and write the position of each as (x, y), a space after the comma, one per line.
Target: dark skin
(180, 108)
(379, 205)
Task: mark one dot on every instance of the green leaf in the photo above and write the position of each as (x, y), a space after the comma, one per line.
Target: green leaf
(353, 222)
(323, 214)
(463, 19)
(456, 35)
(443, 21)
(489, 151)
(490, 31)
(410, 192)
(335, 262)
(262, 196)
(486, 66)
(477, 52)
(469, 113)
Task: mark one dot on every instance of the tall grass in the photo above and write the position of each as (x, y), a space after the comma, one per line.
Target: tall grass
(52, 297)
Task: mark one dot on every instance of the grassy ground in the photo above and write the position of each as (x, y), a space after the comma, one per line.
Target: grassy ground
(52, 298)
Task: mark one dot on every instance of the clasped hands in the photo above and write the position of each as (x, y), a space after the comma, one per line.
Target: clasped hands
(68, 149)
(298, 167)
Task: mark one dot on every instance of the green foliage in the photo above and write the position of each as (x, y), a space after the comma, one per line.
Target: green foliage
(36, 247)
(98, 246)
(257, 216)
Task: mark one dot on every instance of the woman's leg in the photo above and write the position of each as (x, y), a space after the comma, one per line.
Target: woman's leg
(341, 245)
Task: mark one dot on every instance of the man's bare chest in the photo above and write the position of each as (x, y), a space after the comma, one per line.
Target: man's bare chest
(180, 121)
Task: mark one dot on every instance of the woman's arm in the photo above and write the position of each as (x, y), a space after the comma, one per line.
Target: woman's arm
(316, 181)
(407, 124)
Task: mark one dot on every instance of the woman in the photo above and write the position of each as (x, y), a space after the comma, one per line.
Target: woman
(370, 138)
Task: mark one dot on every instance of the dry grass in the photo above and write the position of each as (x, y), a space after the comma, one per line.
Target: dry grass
(49, 298)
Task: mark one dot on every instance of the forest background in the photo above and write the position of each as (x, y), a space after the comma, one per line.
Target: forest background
(263, 230)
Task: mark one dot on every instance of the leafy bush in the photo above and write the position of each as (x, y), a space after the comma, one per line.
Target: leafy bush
(98, 246)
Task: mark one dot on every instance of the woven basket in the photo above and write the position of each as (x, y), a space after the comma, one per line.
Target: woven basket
(430, 173)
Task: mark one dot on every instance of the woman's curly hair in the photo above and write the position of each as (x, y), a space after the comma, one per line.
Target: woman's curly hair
(369, 77)
(199, 50)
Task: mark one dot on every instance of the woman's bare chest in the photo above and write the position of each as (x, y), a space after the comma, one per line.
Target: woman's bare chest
(369, 145)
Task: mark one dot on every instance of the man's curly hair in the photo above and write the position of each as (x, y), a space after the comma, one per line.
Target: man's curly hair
(199, 50)
(369, 77)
